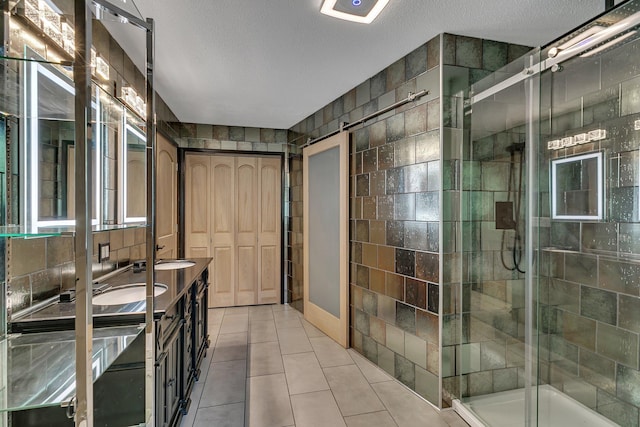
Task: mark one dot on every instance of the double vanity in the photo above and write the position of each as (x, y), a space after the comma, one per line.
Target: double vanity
(40, 350)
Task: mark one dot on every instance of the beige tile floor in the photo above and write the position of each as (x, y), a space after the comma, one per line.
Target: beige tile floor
(268, 367)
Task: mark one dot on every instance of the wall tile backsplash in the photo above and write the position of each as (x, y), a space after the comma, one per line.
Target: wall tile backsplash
(41, 268)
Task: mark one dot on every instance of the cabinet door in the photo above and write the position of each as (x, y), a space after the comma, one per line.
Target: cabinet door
(269, 224)
(167, 198)
(174, 369)
(161, 400)
(246, 230)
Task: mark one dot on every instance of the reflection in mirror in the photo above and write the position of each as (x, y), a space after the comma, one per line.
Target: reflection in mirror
(3, 170)
(134, 159)
(576, 187)
(50, 158)
(108, 126)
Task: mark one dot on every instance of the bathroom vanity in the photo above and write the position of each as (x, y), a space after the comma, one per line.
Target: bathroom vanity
(181, 340)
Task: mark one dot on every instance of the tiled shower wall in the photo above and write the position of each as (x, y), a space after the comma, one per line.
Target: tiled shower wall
(586, 325)
(590, 277)
(40, 268)
(489, 326)
(399, 227)
(294, 236)
(465, 62)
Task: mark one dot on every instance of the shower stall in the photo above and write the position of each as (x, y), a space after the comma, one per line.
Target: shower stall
(549, 300)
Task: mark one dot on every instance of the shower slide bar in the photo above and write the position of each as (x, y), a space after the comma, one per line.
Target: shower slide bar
(556, 56)
(346, 126)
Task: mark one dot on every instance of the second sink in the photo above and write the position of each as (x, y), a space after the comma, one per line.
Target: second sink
(174, 264)
(127, 294)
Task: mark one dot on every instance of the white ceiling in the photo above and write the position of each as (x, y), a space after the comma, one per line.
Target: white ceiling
(271, 63)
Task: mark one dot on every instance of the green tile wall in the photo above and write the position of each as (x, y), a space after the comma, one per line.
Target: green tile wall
(480, 345)
(403, 164)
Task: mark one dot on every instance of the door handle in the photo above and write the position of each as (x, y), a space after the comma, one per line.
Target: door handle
(158, 247)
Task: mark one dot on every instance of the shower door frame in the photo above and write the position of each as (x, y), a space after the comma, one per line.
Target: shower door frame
(530, 77)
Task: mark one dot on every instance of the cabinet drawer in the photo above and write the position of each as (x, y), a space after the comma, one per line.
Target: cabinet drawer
(167, 325)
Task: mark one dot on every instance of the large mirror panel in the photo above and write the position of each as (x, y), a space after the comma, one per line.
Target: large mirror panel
(134, 169)
(47, 153)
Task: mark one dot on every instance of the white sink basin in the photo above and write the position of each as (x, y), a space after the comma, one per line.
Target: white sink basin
(127, 294)
(174, 264)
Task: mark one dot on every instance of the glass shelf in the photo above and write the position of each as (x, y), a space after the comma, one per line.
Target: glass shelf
(22, 231)
(40, 367)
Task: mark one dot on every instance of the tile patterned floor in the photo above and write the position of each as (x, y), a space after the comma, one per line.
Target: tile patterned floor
(268, 367)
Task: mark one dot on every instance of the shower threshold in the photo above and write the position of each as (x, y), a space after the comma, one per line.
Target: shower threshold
(506, 409)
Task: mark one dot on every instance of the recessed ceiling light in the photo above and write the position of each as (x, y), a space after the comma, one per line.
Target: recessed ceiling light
(360, 11)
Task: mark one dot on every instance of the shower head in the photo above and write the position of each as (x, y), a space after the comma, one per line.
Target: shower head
(516, 147)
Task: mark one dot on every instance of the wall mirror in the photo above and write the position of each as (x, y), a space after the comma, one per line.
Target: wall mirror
(118, 154)
(134, 169)
(577, 187)
(109, 129)
(49, 160)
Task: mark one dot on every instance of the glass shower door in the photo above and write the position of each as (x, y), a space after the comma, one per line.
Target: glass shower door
(496, 356)
(550, 332)
(589, 254)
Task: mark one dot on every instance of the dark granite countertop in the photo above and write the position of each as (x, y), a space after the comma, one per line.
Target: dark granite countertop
(62, 315)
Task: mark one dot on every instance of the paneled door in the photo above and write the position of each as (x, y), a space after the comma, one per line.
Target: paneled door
(246, 230)
(269, 220)
(166, 198)
(233, 214)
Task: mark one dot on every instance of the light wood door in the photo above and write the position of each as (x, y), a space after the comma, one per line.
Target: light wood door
(166, 198)
(269, 225)
(325, 219)
(223, 239)
(233, 214)
(246, 230)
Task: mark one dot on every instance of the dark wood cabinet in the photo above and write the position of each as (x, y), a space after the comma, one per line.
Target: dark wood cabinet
(182, 342)
(200, 322)
(168, 378)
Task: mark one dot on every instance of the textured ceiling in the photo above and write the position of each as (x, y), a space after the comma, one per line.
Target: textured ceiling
(271, 63)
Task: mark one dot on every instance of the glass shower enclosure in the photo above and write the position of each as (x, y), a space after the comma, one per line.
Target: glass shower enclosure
(550, 289)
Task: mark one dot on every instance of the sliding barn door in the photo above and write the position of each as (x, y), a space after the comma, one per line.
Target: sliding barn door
(326, 258)
(233, 214)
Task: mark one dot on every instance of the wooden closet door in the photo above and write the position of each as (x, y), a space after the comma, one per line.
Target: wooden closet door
(223, 217)
(167, 198)
(197, 206)
(269, 224)
(233, 214)
(246, 230)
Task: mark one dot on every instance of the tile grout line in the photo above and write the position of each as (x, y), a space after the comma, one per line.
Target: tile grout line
(212, 348)
(368, 383)
(352, 357)
(293, 415)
